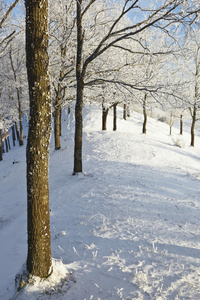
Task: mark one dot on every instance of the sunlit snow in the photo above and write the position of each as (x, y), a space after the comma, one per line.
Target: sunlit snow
(127, 228)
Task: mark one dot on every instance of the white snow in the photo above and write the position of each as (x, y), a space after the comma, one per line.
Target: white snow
(127, 228)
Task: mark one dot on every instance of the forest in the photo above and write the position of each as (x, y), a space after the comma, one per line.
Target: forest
(63, 60)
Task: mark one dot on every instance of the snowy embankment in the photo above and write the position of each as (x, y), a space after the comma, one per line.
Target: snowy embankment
(128, 228)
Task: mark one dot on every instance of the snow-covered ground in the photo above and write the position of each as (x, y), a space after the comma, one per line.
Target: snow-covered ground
(127, 228)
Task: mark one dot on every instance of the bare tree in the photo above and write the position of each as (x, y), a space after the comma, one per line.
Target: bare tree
(160, 16)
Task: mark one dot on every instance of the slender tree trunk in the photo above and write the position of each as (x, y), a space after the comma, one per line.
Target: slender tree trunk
(57, 127)
(124, 111)
(128, 111)
(39, 261)
(1, 146)
(171, 122)
(79, 95)
(13, 134)
(114, 117)
(20, 121)
(60, 125)
(193, 126)
(17, 130)
(19, 135)
(181, 124)
(6, 143)
(58, 110)
(144, 130)
(104, 117)
(9, 143)
(170, 129)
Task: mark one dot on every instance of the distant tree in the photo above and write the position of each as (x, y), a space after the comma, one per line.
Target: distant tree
(161, 14)
(15, 70)
(62, 70)
(39, 260)
(191, 74)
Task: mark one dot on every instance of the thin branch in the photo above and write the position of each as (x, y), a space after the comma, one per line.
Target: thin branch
(8, 12)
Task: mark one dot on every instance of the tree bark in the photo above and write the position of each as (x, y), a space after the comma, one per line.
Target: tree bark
(193, 126)
(104, 117)
(13, 134)
(114, 117)
(39, 261)
(9, 143)
(6, 143)
(181, 124)
(79, 95)
(60, 124)
(57, 126)
(17, 130)
(59, 97)
(144, 128)
(124, 111)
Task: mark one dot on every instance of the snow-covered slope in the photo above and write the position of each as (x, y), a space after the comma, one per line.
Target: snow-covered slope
(127, 228)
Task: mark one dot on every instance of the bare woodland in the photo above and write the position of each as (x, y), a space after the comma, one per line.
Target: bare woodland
(136, 54)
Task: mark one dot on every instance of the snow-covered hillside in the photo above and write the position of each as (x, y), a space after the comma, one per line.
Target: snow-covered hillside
(127, 228)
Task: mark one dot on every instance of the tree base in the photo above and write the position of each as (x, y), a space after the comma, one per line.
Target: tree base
(58, 283)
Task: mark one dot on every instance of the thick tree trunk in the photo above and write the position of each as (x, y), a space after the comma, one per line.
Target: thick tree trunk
(181, 124)
(1, 146)
(124, 111)
(39, 261)
(114, 117)
(79, 95)
(104, 117)
(144, 128)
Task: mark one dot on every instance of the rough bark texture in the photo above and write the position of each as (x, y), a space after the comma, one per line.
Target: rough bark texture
(144, 128)
(104, 117)
(114, 117)
(79, 95)
(39, 261)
